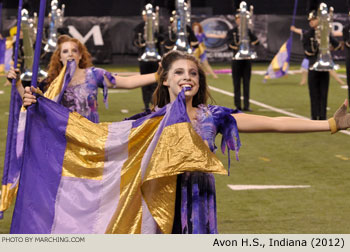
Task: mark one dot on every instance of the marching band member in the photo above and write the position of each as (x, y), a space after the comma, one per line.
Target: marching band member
(149, 66)
(318, 81)
(242, 68)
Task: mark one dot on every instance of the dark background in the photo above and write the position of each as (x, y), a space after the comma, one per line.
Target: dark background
(209, 7)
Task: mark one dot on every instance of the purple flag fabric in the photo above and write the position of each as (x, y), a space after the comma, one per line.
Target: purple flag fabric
(38, 184)
(11, 163)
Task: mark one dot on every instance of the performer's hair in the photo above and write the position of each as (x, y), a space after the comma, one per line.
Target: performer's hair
(199, 26)
(161, 95)
(55, 65)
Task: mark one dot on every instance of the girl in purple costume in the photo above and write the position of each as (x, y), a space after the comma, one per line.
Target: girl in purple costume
(200, 51)
(195, 208)
(81, 93)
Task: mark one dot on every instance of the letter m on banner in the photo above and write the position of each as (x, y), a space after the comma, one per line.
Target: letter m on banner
(95, 32)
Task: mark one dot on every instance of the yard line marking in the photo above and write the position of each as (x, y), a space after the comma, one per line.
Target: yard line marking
(264, 187)
(111, 91)
(281, 111)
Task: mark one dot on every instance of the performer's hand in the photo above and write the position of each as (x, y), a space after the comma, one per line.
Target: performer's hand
(14, 74)
(28, 97)
(341, 117)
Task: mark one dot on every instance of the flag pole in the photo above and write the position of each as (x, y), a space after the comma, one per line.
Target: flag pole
(38, 41)
(19, 19)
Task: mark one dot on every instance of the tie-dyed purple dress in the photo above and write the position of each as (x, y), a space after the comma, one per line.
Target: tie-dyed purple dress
(82, 97)
(195, 207)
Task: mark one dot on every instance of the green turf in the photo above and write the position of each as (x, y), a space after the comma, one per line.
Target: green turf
(320, 160)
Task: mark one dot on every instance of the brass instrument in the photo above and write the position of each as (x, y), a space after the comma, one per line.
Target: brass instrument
(188, 11)
(181, 42)
(324, 60)
(151, 26)
(244, 51)
(56, 20)
(156, 21)
(29, 33)
(172, 26)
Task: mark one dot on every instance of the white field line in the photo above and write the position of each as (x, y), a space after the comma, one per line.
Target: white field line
(264, 187)
(263, 105)
(116, 91)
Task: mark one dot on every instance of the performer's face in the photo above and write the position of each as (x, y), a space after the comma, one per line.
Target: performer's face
(182, 73)
(313, 23)
(69, 51)
(238, 20)
(196, 29)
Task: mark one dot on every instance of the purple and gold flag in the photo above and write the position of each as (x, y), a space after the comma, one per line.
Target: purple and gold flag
(82, 177)
(280, 63)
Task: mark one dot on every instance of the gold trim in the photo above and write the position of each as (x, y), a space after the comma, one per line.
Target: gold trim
(85, 151)
(7, 196)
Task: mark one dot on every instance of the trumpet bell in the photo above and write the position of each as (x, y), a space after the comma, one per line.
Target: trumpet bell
(51, 45)
(324, 63)
(245, 53)
(150, 56)
(182, 45)
(26, 77)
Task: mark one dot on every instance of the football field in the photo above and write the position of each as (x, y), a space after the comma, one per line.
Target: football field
(282, 183)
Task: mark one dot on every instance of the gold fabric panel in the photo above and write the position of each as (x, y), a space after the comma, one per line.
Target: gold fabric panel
(160, 195)
(55, 87)
(179, 149)
(127, 218)
(7, 196)
(85, 151)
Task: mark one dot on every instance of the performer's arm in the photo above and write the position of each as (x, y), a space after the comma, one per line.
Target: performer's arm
(213, 35)
(253, 39)
(134, 81)
(335, 44)
(257, 123)
(296, 30)
(15, 74)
